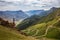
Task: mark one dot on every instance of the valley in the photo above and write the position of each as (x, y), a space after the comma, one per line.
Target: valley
(35, 27)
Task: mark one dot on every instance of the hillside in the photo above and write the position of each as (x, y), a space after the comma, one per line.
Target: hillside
(48, 27)
(12, 34)
(35, 28)
(41, 30)
(37, 19)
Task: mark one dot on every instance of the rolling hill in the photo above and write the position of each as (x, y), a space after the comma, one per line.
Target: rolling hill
(43, 27)
(36, 27)
(36, 19)
(12, 34)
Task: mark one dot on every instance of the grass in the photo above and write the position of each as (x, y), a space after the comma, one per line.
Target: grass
(12, 34)
(53, 33)
(36, 30)
(9, 34)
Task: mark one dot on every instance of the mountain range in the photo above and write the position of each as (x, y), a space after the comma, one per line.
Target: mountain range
(37, 16)
(21, 15)
(9, 15)
(39, 12)
(45, 27)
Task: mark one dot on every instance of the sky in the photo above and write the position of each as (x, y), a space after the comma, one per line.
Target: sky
(26, 5)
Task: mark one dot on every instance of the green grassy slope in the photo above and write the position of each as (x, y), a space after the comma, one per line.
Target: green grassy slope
(49, 27)
(39, 30)
(48, 30)
(12, 34)
(36, 19)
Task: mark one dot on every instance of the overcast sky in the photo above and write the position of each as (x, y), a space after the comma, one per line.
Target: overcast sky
(28, 4)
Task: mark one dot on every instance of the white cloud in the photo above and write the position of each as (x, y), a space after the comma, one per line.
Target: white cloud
(30, 4)
(12, 0)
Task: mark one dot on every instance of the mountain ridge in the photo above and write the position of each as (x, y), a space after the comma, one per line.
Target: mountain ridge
(34, 19)
(9, 15)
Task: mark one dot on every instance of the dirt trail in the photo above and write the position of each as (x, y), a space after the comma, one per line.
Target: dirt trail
(51, 26)
(43, 36)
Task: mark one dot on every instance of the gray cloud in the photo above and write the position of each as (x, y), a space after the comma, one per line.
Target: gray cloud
(28, 4)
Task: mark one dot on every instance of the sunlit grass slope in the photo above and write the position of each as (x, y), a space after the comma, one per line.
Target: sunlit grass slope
(12, 34)
(52, 28)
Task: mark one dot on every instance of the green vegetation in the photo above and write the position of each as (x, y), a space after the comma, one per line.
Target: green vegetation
(36, 30)
(7, 34)
(48, 26)
(53, 33)
(12, 34)
(39, 30)
(57, 24)
(42, 28)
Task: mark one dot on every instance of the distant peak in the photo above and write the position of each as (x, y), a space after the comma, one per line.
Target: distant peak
(53, 8)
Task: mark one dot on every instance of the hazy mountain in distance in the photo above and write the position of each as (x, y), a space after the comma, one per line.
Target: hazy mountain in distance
(33, 12)
(9, 15)
(40, 12)
(34, 19)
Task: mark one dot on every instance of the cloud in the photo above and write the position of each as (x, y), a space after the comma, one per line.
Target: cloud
(4, 3)
(28, 4)
(11, 0)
